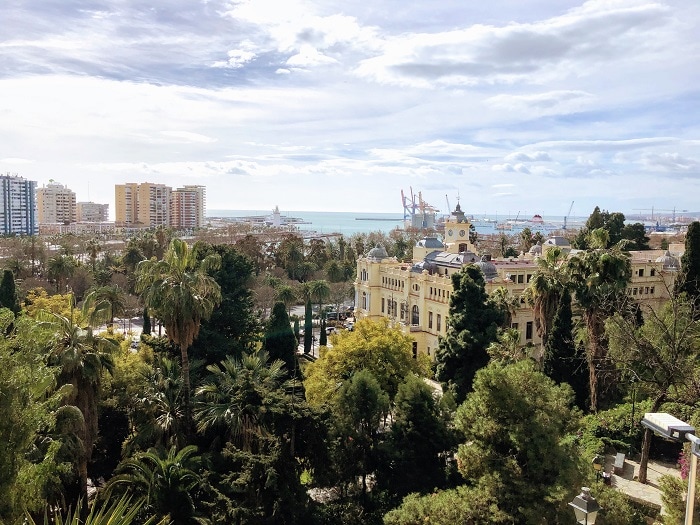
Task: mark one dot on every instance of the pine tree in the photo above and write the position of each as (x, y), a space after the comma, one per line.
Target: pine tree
(472, 325)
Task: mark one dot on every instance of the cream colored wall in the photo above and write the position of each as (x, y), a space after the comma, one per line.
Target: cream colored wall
(390, 280)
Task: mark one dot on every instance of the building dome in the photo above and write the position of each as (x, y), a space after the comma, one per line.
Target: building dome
(668, 261)
(430, 242)
(487, 268)
(556, 240)
(536, 250)
(378, 252)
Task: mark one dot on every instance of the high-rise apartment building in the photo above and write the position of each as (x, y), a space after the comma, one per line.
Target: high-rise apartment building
(55, 204)
(93, 212)
(142, 205)
(187, 207)
(18, 212)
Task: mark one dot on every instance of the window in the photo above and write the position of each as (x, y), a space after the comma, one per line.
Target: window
(634, 291)
(651, 290)
(514, 326)
(529, 278)
(641, 272)
(430, 319)
(415, 350)
(652, 272)
(521, 278)
(428, 351)
(439, 322)
(415, 317)
(382, 304)
(364, 300)
(646, 290)
(528, 330)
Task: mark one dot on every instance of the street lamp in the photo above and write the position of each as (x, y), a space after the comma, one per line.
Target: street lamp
(585, 507)
(674, 429)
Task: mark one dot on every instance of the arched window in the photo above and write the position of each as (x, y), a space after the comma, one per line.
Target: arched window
(415, 317)
(364, 300)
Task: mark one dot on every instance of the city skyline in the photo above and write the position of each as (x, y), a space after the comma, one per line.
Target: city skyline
(318, 105)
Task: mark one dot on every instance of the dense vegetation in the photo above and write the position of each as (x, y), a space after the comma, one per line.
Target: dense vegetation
(214, 417)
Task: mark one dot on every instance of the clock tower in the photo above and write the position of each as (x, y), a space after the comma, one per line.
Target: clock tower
(460, 235)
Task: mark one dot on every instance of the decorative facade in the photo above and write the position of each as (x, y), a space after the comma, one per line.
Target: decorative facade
(416, 295)
(18, 209)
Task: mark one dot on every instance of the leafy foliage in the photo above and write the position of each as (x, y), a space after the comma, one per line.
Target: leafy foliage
(513, 425)
(374, 346)
(473, 325)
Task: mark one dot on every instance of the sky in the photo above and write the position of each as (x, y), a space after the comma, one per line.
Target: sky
(512, 107)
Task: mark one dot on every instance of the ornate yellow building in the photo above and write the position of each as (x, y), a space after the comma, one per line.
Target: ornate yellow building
(416, 295)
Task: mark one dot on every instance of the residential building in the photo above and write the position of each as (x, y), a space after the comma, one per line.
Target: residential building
(142, 205)
(55, 204)
(93, 212)
(187, 206)
(416, 295)
(18, 210)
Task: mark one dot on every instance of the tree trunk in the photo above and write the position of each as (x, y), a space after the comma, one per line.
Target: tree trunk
(595, 356)
(186, 391)
(646, 442)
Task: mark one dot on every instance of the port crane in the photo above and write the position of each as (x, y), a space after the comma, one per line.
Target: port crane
(566, 217)
(652, 209)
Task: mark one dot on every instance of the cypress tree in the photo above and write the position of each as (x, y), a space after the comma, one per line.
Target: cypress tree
(279, 341)
(146, 322)
(308, 327)
(296, 328)
(689, 278)
(323, 337)
(8, 292)
(562, 362)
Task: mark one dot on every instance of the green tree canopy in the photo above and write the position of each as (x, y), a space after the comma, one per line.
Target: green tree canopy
(279, 341)
(513, 425)
(180, 292)
(689, 279)
(472, 325)
(373, 345)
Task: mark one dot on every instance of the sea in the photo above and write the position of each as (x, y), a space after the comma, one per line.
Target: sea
(349, 223)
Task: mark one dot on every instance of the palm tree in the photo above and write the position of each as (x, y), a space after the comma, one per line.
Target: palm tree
(599, 278)
(120, 512)
(321, 290)
(165, 480)
(115, 297)
(181, 293)
(80, 356)
(546, 289)
(286, 294)
(232, 399)
(161, 422)
(93, 248)
(60, 267)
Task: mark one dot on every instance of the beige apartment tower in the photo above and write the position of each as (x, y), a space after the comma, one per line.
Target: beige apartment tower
(55, 204)
(187, 207)
(142, 205)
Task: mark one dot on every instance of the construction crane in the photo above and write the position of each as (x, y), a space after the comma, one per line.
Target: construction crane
(652, 209)
(449, 210)
(566, 217)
